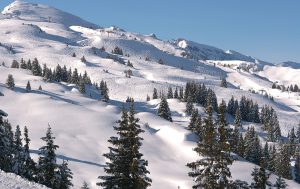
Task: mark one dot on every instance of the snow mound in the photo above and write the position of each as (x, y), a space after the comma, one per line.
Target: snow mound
(44, 13)
(12, 181)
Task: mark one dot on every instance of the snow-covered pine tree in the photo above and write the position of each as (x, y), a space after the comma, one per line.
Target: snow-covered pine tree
(36, 68)
(40, 88)
(23, 64)
(181, 93)
(155, 95)
(6, 146)
(211, 171)
(18, 160)
(29, 65)
(260, 178)
(164, 110)
(176, 95)
(193, 120)
(75, 77)
(85, 185)
(47, 166)
(282, 165)
(10, 82)
(280, 183)
(241, 146)
(230, 106)
(81, 87)
(126, 168)
(105, 97)
(223, 83)
(189, 106)
(139, 178)
(15, 64)
(170, 93)
(297, 168)
(65, 176)
(292, 142)
(238, 118)
(223, 159)
(29, 170)
(28, 87)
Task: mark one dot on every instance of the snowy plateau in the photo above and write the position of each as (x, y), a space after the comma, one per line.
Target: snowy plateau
(82, 123)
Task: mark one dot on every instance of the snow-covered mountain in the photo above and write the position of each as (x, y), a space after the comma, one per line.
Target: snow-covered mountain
(82, 124)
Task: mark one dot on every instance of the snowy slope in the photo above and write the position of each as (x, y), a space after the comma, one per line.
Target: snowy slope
(83, 124)
(12, 181)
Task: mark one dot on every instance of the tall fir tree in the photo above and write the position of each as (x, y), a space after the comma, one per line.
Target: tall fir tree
(29, 170)
(283, 166)
(155, 95)
(47, 166)
(297, 168)
(189, 106)
(164, 110)
(238, 118)
(65, 176)
(28, 87)
(10, 82)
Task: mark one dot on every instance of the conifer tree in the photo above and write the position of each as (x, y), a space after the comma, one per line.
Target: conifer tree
(292, 142)
(260, 178)
(154, 96)
(238, 118)
(18, 153)
(29, 170)
(283, 167)
(29, 65)
(241, 146)
(170, 93)
(28, 87)
(176, 95)
(105, 97)
(126, 168)
(164, 110)
(81, 87)
(47, 166)
(15, 64)
(223, 83)
(181, 93)
(85, 185)
(189, 106)
(211, 171)
(297, 168)
(10, 82)
(6, 146)
(148, 98)
(280, 183)
(193, 120)
(65, 176)
(75, 77)
(23, 64)
(40, 88)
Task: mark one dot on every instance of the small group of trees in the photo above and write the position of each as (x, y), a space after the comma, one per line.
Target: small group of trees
(291, 88)
(15, 157)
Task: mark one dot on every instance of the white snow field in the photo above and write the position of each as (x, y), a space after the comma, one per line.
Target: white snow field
(83, 124)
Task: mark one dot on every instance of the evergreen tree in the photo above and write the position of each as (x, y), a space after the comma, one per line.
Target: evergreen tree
(260, 178)
(23, 64)
(241, 146)
(148, 98)
(83, 59)
(176, 95)
(170, 93)
(283, 167)
(154, 96)
(164, 110)
(15, 64)
(65, 176)
(297, 168)
(181, 93)
(85, 185)
(75, 77)
(292, 142)
(6, 146)
(81, 87)
(126, 168)
(238, 118)
(40, 88)
(18, 153)
(211, 171)
(10, 82)
(47, 162)
(29, 65)
(105, 97)
(280, 183)
(28, 87)
(189, 106)
(193, 120)
(230, 106)
(29, 165)
(223, 83)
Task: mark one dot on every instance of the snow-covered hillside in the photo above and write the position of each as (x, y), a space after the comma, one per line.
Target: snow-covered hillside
(82, 124)
(12, 181)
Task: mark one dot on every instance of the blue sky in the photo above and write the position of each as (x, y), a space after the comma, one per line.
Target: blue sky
(266, 29)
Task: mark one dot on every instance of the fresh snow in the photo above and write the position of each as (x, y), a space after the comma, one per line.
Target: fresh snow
(83, 124)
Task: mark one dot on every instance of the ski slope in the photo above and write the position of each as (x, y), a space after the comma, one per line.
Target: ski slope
(82, 124)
